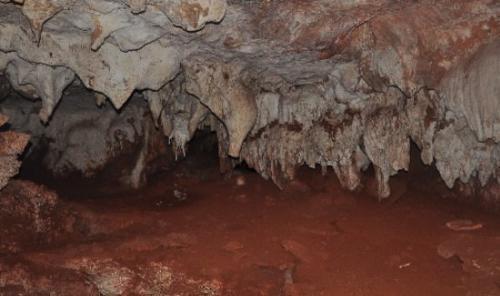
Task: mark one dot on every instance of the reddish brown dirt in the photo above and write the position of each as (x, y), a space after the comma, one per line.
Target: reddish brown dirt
(252, 239)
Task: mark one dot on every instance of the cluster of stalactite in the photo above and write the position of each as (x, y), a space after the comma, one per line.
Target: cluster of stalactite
(340, 84)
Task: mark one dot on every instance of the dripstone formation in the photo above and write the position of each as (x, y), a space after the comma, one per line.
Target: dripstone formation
(340, 84)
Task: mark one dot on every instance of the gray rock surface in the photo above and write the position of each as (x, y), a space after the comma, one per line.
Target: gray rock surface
(12, 144)
(341, 84)
(86, 140)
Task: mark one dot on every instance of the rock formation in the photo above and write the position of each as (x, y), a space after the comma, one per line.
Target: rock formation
(86, 141)
(12, 144)
(32, 216)
(331, 83)
(30, 212)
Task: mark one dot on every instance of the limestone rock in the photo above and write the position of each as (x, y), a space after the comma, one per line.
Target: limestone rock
(85, 140)
(11, 146)
(340, 84)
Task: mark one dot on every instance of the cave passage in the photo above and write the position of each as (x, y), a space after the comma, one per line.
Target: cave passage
(264, 147)
(194, 231)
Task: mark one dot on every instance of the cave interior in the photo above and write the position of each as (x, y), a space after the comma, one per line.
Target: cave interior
(237, 147)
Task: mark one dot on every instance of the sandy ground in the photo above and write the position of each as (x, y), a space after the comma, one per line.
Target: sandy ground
(195, 232)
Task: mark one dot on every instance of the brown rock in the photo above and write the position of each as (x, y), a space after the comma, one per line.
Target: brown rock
(297, 250)
(233, 246)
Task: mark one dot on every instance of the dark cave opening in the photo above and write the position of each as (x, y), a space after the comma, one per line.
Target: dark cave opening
(202, 227)
(201, 155)
(202, 160)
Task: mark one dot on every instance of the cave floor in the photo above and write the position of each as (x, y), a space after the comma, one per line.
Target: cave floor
(240, 235)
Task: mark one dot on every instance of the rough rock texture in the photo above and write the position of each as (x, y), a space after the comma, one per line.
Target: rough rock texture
(151, 278)
(341, 84)
(88, 141)
(25, 278)
(88, 276)
(12, 144)
(34, 218)
(30, 212)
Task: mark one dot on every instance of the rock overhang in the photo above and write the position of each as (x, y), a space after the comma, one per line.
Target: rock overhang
(339, 84)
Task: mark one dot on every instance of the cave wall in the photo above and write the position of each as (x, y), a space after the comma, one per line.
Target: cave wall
(12, 144)
(87, 139)
(340, 84)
